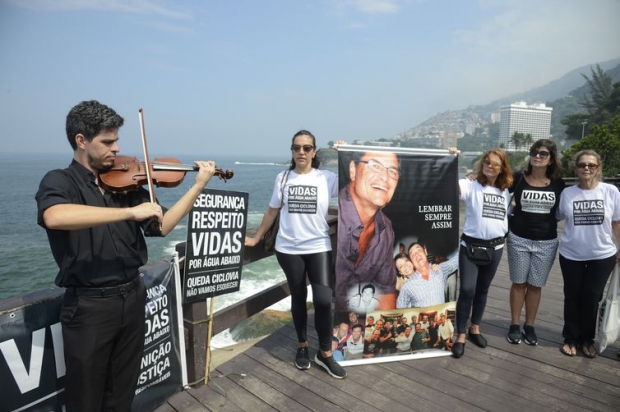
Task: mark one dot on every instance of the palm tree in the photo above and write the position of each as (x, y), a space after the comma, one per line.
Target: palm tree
(527, 140)
(601, 89)
(517, 140)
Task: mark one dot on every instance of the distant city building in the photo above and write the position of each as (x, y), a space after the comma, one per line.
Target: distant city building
(523, 118)
(495, 116)
(448, 138)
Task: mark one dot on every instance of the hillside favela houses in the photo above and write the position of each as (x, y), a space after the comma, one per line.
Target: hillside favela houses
(519, 117)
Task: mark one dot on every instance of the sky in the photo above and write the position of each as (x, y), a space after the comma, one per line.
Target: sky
(241, 77)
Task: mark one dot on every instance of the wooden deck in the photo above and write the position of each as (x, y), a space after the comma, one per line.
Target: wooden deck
(501, 377)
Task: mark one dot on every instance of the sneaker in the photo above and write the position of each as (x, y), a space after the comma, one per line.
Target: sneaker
(330, 365)
(514, 334)
(529, 335)
(302, 360)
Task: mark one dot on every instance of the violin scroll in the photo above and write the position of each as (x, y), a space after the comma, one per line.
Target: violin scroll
(224, 175)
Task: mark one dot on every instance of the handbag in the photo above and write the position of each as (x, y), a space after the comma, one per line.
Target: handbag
(609, 314)
(480, 251)
(269, 238)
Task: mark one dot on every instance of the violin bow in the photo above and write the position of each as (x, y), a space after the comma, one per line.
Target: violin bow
(147, 163)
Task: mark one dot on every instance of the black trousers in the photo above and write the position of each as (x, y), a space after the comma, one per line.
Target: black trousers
(103, 343)
(318, 267)
(584, 284)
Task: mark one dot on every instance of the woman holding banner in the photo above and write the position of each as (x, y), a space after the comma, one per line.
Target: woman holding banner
(303, 245)
(486, 223)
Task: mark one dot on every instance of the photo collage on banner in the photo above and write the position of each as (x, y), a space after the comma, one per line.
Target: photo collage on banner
(397, 254)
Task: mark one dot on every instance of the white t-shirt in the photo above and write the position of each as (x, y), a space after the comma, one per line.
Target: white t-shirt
(303, 218)
(486, 210)
(588, 234)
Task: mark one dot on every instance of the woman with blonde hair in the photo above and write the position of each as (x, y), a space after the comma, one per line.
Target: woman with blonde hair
(588, 252)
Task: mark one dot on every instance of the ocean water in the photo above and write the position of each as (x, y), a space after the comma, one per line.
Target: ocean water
(26, 262)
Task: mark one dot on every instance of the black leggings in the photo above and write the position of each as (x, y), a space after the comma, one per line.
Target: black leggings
(318, 266)
(475, 283)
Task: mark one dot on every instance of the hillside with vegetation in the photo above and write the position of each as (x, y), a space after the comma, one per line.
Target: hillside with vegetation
(586, 115)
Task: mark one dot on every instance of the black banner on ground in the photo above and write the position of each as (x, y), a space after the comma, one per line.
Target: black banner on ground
(32, 363)
(163, 359)
(215, 237)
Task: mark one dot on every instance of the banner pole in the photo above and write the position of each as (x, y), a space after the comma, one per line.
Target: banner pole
(208, 344)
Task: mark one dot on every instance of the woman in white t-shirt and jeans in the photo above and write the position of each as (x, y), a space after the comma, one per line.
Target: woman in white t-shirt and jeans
(486, 224)
(303, 245)
(591, 210)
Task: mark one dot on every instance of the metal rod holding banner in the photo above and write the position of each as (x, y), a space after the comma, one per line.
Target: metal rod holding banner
(208, 343)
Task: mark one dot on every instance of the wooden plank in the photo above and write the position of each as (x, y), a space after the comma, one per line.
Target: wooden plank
(288, 379)
(211, 397)
(165, 408)
(229, 389)
(183, 401)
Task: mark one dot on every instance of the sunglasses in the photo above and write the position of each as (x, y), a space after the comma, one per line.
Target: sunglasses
(307, 148)
(541, 153)
(591, 166)
(495, 165)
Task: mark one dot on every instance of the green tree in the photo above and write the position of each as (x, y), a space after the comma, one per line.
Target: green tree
(517, 140)
(601, 89)
(605, 140)
(527, 140)
(575, 125)
(602, 102)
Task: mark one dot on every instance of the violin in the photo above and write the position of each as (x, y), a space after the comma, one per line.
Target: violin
(128, 173)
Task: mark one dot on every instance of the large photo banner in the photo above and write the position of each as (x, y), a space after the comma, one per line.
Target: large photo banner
(397, 254)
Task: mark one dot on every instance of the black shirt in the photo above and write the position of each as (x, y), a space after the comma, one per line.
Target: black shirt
(106, 255)
(534, 213)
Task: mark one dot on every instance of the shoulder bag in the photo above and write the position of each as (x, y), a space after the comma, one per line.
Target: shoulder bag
(609, 314)
(269, 238)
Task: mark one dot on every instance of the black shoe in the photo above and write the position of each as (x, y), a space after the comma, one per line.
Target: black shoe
(458, 349)
(302, 360)
(514, 334)
(529, 335)
(477, 339)
(330, 365)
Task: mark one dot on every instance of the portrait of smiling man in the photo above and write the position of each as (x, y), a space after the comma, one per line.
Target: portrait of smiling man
(365, 234)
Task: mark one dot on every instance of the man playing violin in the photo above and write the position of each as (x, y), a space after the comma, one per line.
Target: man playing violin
(97, 239)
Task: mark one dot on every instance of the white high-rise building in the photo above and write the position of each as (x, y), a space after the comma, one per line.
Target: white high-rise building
(523, 118)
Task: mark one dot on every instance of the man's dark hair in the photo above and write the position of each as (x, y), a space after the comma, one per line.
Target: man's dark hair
(369, 286)
(90, 118)
(417, 242)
